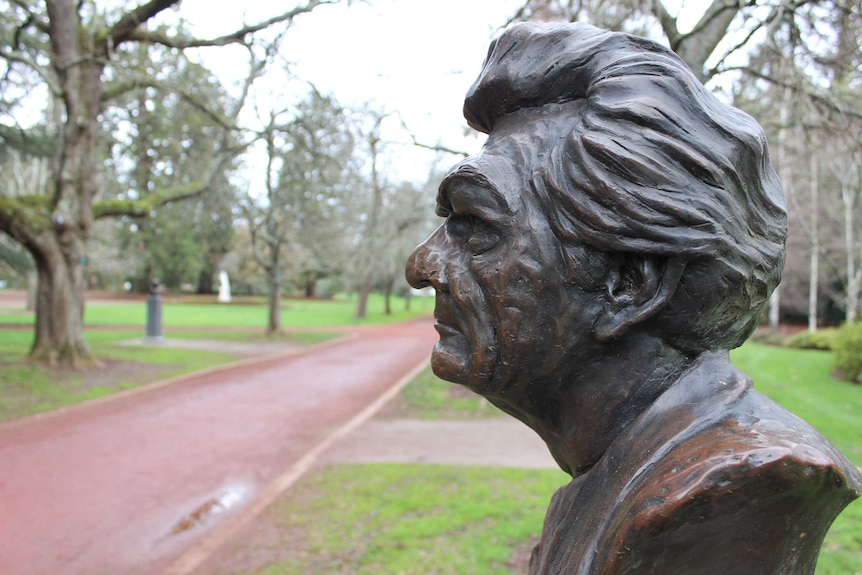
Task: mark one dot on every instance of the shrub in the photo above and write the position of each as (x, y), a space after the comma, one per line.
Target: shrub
(848, 352)
(820, 339)
(768, 337)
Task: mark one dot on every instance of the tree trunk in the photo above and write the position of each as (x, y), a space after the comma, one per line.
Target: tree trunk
(853, 296)
(32, 283)
(59, 247)
(783, 174)
(274, 325)
(814, 261)
(387, 297)
(696, 47)
(362, 302)
(774, 309)
(370, 241)
(205, 281)
(848, 198)
(311, 287)
(59, 334)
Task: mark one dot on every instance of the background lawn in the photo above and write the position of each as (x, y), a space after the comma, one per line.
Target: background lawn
(410, 519)
(26, 388)
(249, 313)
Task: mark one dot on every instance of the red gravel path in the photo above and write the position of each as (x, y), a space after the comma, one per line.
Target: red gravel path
(126, 486)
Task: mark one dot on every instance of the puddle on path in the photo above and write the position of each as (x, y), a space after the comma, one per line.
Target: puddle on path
(226, 500)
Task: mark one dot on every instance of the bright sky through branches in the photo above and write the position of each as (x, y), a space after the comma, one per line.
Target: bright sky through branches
(413, 57)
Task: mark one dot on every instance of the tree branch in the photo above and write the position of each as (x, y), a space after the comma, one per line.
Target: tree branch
(33, 19)
(23, 217)
(434, 148)
(21, 58)
(141, 207)
(738, 46)
(696, 46)
(126, 26)
(825, 99)
(235, 37)
(35, 141)
(124, 87)
(668, 23)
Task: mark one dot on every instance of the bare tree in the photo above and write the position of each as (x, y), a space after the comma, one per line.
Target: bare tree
(814, 255)
(309, 151)
(847, 176)
(368, 260)
(640, 17)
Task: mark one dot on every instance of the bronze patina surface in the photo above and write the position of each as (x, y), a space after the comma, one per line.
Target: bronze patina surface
(619, 232)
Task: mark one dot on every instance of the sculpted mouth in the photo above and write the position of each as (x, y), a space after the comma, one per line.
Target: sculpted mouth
(444, 322)
(445, 330)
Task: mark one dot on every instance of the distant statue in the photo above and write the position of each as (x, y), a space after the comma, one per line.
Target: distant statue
(619, 232)
(223, 287)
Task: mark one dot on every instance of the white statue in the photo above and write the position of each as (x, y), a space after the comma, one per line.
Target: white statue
(224, 287)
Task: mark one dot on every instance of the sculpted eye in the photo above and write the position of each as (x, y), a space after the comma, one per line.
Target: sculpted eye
(483, 240)
(478, 235)
(459, 226)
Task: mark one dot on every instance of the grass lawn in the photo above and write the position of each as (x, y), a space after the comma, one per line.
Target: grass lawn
(295, 313)
(26, 389)
(420, 519)
(398, 519)
(429, 397)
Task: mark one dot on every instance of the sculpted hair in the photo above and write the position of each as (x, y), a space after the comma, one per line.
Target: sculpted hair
(643, 159)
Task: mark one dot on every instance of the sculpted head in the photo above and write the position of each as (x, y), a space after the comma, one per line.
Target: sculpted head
(614, 199)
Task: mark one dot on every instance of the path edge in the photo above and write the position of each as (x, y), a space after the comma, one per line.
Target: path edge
(203, 550)
(177, 379)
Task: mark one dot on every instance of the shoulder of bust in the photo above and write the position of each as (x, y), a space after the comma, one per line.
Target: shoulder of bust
(735, 498)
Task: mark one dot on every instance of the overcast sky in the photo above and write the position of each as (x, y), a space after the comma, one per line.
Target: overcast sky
(414, 57)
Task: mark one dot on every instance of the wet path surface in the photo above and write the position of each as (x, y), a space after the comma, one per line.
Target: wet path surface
(125, 486)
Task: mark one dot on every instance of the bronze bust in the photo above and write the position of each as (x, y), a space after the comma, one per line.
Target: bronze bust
(619, 232)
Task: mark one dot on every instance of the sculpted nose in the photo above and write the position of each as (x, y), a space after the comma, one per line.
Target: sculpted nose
(426, 265)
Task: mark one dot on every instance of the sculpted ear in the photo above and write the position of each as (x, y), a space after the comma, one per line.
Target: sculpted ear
(637, 288)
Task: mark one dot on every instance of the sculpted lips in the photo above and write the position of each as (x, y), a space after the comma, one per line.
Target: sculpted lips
(445, 330)
(445, 323)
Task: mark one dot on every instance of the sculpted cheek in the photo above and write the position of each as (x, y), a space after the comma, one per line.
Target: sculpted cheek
(516, 302)
(472, 306)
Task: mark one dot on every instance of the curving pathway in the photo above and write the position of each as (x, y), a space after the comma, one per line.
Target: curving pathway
(132, 484)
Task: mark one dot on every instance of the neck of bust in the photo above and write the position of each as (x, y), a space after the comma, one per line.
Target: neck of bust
(597, 399)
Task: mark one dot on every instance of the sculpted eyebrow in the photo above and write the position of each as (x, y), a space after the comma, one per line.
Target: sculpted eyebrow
(470, 191)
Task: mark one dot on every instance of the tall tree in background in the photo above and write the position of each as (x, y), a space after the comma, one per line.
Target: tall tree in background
(73, 53)
(367, 261)
(172, 140)
(309, 175)
(393, 219)
(642, 17)
(810, 67)
(406, 224)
